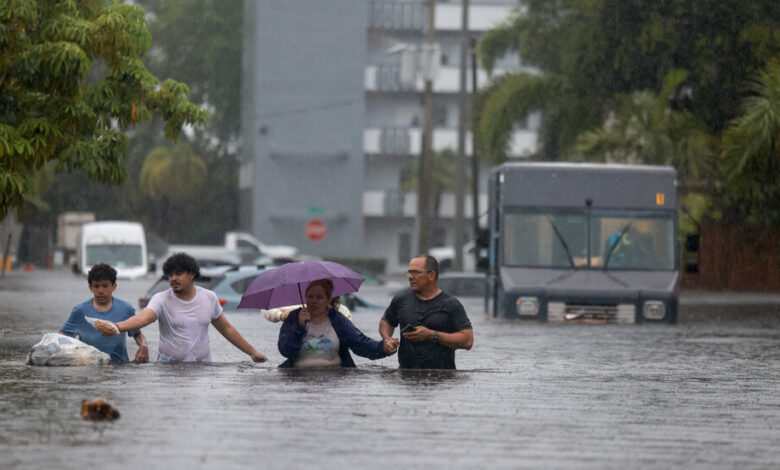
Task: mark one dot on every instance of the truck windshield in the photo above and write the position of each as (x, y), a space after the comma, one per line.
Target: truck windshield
(119, 256)
(641, 240)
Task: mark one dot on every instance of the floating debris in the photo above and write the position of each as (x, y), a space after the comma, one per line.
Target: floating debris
(98, 410)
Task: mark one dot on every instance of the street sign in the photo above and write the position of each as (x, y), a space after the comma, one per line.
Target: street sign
(316, 230)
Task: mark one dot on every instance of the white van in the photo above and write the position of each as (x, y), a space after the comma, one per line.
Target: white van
(119, 244)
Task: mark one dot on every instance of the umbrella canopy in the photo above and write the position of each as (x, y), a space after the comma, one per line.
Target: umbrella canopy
(286, 284)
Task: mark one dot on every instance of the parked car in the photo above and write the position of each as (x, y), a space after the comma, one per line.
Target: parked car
(463, 284)
(230, 285)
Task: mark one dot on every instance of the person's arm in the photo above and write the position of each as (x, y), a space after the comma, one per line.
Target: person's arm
(385, 328)
(359, 343)
(390, 344)
(344, 310)
(142, 355)
(462, 339)
(278, 314)
(291, 336)
(136, 322)
(230, 333)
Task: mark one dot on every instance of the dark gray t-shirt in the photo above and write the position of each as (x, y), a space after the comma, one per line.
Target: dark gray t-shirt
(442, 313)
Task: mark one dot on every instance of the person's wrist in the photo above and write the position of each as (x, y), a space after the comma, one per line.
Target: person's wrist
(435, 337)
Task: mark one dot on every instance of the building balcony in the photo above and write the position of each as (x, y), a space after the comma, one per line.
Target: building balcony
(407, 141)
(386, 78)
(398, 16)
(413, 16)
(394, 203)
(388, 203)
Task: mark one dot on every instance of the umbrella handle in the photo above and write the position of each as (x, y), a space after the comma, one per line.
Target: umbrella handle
(300, 294)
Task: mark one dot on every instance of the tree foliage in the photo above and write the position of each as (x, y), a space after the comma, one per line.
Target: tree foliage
(172, 177)
(648, 82)
(592, 52)
(72, 84)
(644, 129)
(205, 50)
(751, 152)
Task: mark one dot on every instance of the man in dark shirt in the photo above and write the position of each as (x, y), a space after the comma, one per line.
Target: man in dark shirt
(439, 320)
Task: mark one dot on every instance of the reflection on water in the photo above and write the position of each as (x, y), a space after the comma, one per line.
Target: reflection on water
(701, 394)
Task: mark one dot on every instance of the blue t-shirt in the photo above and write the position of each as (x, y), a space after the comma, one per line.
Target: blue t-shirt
(112, 345)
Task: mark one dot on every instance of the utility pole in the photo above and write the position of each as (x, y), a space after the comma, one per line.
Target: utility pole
(426, 157)
(474, 159)
(460, 166)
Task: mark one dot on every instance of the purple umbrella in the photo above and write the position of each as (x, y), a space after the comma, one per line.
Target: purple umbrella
(285, 285)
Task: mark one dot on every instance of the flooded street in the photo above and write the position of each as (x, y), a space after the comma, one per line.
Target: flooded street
(699, 394)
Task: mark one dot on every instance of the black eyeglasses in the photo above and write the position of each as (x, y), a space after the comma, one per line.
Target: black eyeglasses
(414, 272)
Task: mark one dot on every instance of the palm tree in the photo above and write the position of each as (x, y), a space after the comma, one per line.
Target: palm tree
(442, 178)
(172, 177)
(566, 107)
(644, 129)
(751, 151)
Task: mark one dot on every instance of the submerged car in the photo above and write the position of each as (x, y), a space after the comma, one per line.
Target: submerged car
(230, 285)
(463, 284)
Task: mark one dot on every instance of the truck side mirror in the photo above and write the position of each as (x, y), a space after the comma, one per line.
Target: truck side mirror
(692, 242)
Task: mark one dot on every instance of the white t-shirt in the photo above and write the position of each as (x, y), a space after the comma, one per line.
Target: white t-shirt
(184, 326)
(320, 346)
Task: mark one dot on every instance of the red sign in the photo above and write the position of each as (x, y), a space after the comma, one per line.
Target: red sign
(316, 230)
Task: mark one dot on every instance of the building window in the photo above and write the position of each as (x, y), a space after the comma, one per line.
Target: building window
(440, 116)
(404, 248)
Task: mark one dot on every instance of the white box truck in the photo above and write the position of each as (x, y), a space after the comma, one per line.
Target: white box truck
(120, 244)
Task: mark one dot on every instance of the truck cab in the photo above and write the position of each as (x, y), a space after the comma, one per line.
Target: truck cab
(583, 243)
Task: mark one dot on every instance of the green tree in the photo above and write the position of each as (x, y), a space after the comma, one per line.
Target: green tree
(751, 153)
(644, 129)
(442, 179)
(172, 177)
(205, 50)
(72, 84)
(589, 53)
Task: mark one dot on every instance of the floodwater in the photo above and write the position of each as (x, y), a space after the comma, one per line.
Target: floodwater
(699, 394)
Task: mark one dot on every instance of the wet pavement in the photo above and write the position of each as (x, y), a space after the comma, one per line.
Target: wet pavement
(699, 394)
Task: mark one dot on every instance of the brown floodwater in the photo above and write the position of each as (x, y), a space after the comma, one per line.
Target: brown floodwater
(702, 393)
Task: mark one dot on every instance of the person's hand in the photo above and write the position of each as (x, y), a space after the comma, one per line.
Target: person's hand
(258, 357)
(107, 328)
(142, 355)
(419, 335)
(390, 346)
(304, 316)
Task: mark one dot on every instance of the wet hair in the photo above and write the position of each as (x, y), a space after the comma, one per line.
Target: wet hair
(101, 272)
(181, 262)
(430, 264)
(326, 284)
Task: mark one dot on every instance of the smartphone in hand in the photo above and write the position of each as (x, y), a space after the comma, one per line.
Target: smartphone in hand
(408, 328)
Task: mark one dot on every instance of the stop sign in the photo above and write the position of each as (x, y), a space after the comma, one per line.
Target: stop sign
(316, 230)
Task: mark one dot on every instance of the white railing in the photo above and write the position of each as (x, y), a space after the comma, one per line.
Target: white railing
(413, 16)
(408, 141)
(393, 203)
(387, 78)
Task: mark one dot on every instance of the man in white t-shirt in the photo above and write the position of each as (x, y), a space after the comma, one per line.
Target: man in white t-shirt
(185, 312)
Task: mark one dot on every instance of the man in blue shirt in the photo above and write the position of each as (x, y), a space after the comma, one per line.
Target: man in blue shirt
(104, 306)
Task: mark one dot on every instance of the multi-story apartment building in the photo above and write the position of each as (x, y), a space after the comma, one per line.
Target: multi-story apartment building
(329, 124)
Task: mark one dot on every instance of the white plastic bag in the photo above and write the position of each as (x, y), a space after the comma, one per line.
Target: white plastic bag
(55, 349)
